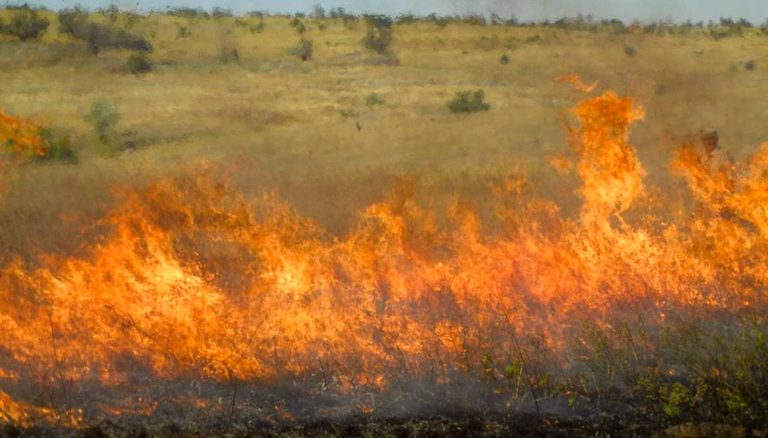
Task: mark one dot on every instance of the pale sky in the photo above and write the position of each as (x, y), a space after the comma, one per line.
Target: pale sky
(754, 10)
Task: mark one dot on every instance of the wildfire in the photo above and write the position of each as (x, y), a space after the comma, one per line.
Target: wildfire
(193, 283)
(21, 137)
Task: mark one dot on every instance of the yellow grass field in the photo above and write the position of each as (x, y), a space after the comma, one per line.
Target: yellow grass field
(491, 229)
(305, 131)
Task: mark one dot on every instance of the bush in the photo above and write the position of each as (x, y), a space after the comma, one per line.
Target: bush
(24, 139)
(378, 37)
(25, 24)
(258, 27)
(298, 25)
(304, 49)
(183, 32)
(374, 99)
(112, 12)
(750, 65)
(474, 19)
(75, 22)
(220, 13)
(504, 60)
(437, 20)
(228, 53)
(188, 13)
(318, 12)
(103, 118)
(630, 51)
(468, 102)
(139, 63)
(58, 149)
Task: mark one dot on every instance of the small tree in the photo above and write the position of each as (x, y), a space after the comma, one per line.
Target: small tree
(25, 24)
(304, 49)
(139, 63)
(468, 102)
(297, 24)
(103, 118)
(378, 37)
(318, 12)
(112, 12)
(75, 22)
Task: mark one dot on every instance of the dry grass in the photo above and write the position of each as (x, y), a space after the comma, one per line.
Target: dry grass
(276, 123)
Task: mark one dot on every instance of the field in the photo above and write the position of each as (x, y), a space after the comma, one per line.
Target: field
(228, 100)
(280, 124)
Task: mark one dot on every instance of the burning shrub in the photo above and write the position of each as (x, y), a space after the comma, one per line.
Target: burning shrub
(468, 102)
(75, 22)
(23, 139)
(59, 149)
(25, 23)
(378, 36)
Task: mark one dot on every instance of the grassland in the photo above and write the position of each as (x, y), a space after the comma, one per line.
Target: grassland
(304, 129)
(331, 135)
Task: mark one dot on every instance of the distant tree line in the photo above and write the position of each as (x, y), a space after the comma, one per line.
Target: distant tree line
(29, 23)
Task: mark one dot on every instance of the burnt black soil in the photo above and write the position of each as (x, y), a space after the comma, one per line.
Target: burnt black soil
(442, 425)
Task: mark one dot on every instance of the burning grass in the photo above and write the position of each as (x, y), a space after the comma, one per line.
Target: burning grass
(200, 306)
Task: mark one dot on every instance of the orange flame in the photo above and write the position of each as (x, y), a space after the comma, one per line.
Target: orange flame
(193, 282)
(21, 136)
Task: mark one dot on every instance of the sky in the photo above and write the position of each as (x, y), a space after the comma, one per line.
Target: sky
(645, 10)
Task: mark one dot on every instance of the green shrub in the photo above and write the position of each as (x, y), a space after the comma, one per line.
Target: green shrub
(25, 24)
(58, 149)
(374, 99)
(139, 63)
(630, 51)
(504, 60)
(75, 22)
(103, 118)
(468, 102)
(298, 25)
(378, 37)
(677, 398)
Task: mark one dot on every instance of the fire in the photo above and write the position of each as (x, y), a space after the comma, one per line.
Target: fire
(196, 284)
(21, 137)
